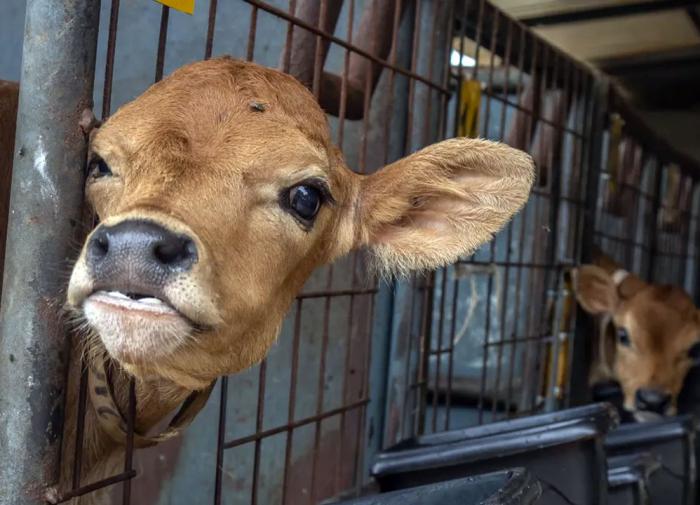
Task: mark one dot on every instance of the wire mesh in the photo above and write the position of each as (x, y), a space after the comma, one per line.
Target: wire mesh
(500, 322)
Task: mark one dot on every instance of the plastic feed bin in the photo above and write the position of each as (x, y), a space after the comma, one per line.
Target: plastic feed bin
(673, 441)
(509, 487)
(563, 450)
(628, 478)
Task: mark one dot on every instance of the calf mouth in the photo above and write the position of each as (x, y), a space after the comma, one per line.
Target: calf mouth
(144, 305)
(137, 327)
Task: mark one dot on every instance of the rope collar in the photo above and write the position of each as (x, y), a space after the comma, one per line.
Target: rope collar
(113, 421)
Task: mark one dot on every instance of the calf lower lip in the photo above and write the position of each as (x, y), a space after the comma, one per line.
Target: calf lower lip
(121, 301)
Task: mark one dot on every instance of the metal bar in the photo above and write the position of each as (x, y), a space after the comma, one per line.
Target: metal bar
(58, 69)
(596, 117)
(653, 231)
(210, 29)
(259, 418)
(509, 234)
(80, 427)
(220, 442)
(129, 451)
(292, 398)
(607, 11)
(320, 390)
(293, 425)
(162, 41)
(250, 51)
(109, 61)
(489, 281)
(89, 488)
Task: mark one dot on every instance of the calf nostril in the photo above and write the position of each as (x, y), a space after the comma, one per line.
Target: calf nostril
(175, 251)
(652, 400)
(99, 246)
(102, 244)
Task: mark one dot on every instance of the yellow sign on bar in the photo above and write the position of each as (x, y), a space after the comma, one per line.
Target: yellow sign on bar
(186, 6)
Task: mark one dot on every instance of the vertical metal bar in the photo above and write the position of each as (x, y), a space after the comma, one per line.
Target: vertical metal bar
(492, 247)
(162, 41)
(109, 61)
(287, 55)
(597, 113)
(259, 418)
(653, 219)
(223, 384)
(250, 51)
(210, 30)
(509, 233)
(518, 271)
(129, 451)
(292, 399)
(58, 67)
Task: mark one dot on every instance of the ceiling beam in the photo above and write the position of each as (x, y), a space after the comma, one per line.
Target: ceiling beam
(659, 60)
(608, 11)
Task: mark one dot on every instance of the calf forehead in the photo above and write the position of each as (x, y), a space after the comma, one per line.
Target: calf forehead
(219, 109)
(664, 318)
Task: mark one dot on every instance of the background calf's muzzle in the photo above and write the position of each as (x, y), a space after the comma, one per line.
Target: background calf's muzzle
(137, 256)
(652, 400)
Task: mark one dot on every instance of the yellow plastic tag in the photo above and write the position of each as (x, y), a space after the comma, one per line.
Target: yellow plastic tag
(470, 101)
(186, 6)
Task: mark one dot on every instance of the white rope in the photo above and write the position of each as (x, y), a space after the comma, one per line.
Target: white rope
(470, 271)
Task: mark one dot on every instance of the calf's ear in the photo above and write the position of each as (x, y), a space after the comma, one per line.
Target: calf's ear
(595, 289)
(430, 208)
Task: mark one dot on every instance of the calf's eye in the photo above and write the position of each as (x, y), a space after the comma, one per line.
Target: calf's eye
(305, 201)
(99, 168)
(623, 337)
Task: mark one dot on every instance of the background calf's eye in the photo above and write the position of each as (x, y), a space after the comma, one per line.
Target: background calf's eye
(305, 201)
(99, 168)
(623, 337)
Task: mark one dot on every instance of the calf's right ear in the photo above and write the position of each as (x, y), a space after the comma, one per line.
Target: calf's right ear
(428, 209)
(595, 289)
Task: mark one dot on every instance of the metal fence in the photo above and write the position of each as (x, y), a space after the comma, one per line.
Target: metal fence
(361, 365)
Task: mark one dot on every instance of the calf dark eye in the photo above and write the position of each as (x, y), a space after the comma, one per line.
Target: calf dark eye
(99, 168)
(305, 201)
(623, 337)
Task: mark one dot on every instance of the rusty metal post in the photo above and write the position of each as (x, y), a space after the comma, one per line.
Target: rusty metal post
(58, 64)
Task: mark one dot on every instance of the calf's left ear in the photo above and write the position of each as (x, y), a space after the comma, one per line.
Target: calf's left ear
(428, 209)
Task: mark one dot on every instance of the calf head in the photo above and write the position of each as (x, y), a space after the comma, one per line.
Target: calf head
(219, 191)
(656, 332)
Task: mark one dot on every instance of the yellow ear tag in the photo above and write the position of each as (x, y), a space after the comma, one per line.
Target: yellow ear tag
(186, 6)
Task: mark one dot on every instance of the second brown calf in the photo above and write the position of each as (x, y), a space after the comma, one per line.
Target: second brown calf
(646, 338)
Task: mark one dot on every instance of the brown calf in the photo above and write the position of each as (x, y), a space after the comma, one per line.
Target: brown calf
(218, 192)
(654, 330)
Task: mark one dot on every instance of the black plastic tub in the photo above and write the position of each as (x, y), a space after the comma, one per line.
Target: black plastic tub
(509, 487)
(563, 450)
(628, 478)
(673, 441)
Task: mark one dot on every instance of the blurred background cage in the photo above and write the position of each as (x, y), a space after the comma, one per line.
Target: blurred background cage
(360, 364)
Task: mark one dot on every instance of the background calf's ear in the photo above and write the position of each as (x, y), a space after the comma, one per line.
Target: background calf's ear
(427, 209)
(595, 289)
